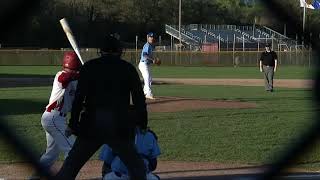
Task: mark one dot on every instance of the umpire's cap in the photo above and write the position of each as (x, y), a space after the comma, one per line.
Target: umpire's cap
(110, 45)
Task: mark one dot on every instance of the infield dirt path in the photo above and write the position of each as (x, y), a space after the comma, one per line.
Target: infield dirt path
(165, 169)
(288, 83)
(177, 104)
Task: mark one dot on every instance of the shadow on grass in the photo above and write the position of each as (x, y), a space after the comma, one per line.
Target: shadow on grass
(21, 106)
(26, 81)
(293, 90)
(264, 99)
(25, 76)
(217, 169)
(275, 112)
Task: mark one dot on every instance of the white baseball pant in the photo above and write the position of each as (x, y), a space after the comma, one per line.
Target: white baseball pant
(55, 125)
(147, 78)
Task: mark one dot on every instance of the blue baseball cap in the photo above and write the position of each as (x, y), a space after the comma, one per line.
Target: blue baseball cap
(150, 34)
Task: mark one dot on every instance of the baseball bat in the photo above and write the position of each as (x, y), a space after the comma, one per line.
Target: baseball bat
(67, 30)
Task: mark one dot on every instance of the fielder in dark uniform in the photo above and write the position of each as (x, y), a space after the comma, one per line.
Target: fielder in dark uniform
(268, 65)
(104, 86)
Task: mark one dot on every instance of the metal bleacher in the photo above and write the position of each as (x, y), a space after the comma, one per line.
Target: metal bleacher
(197, 34)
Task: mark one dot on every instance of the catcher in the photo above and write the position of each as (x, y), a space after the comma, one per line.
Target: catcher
(144, 66)
(147, 147)
(146, 143)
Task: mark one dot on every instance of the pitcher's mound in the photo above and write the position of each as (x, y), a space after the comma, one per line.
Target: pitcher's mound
(176, 104)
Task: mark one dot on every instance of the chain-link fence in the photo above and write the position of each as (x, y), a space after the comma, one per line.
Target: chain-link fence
(170, 58)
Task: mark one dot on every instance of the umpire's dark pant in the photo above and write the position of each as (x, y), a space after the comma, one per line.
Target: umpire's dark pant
(85, 146)
(268, 77)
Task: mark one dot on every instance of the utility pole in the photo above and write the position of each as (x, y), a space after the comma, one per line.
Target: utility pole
(179, 24)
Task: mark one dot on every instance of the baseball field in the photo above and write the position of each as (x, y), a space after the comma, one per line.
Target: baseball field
(200, 126)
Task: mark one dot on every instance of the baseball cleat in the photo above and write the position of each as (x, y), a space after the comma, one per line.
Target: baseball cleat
(150, 97)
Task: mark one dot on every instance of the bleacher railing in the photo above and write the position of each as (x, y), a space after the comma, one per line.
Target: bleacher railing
(244, 34)
(190, 40)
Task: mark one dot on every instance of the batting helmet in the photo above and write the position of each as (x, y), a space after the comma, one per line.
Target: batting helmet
(71, 60)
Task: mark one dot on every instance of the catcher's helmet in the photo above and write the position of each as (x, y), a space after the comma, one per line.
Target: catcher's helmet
(71, 60)
(110, 45)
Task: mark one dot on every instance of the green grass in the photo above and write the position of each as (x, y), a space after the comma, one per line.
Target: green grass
(249, 135)
(286, 72)
(289, 72)
(252, 136)
(21, 71)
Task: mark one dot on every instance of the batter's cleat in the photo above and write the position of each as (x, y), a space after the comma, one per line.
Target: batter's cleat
(150, 97)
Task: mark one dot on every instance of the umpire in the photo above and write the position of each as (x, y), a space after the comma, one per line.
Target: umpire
(268, 65)
(104, 87)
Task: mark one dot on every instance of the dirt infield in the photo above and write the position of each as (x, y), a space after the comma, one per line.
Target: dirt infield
(176, 104)
(165, 169)
(288, 83)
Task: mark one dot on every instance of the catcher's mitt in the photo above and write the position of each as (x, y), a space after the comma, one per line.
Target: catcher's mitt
(157, 61)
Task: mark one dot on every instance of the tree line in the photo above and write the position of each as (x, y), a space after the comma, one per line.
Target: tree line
(91, 19)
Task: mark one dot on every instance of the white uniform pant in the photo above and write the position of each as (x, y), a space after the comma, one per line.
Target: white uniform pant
(55, 126)
(113, 176)
(147, 78)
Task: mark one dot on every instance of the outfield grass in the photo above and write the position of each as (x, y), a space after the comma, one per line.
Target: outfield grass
(286, 72)
(219, 135)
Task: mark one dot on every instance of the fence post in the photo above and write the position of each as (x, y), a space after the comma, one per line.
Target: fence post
(171, 45)
(227, 42)
(259, 44)
(219, 42)
(136, 49)
(234, 47)
(171, 52)
(272, 40)
(242, 42)
(296, 42)
(310, 51)
(310, 40)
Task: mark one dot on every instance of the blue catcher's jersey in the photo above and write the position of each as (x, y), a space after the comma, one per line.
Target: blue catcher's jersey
(147, 50)
(146, 145)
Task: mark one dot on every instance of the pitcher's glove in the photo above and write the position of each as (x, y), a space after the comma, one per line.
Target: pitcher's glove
(157, 61)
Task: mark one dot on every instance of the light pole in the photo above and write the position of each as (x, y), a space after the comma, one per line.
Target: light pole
(179, 24)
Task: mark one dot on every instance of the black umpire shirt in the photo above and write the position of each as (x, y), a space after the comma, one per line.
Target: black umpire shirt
(268, 58)
(105, 84)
